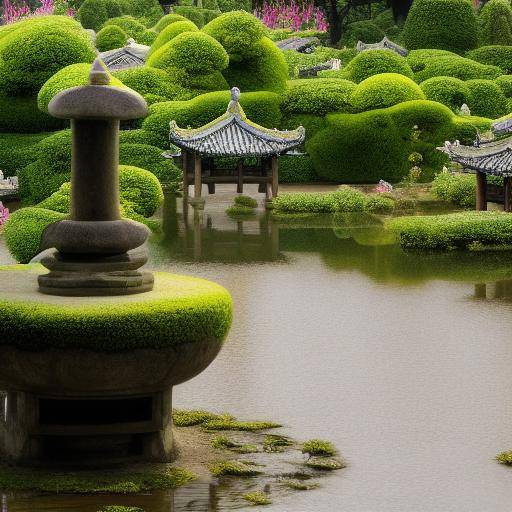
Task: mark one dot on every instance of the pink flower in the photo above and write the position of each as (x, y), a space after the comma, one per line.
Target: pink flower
(295, 15)
(4, 214)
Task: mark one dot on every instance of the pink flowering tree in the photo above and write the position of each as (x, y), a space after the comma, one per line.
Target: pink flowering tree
(14, 11)
(294, 15)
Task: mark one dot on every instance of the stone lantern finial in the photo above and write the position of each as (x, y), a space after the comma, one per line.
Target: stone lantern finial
(98, 74)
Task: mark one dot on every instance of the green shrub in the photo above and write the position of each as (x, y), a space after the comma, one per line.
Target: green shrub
(257, 498)
(460, 189)
(70, 76)
(449, 91)
(34, 52)
(374, 62)
(237, 211)
(110, 38)
(366, 31)
(247, 201)
(167, 20)
(17, 151)
(384, 90)
(139, 136)
(234, 5)
(318, 447)
(379, 203)
(59, 201)
(311, 123)
(170, 32)
(486, 99)
(456, 67)
(237, 32)
(453, 231)
(317, 97)
(23, 231)
(191, 13)
(495, 23)
(504, 82)
(260, 107)
(444, 24)
(296, 169)
(385, 20)
(494, 55)
(94, 13)
(130, 25)
(141, 189)
(195, 52)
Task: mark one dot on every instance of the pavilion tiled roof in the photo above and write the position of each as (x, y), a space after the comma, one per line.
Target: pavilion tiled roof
(232, 134)
(385, 44)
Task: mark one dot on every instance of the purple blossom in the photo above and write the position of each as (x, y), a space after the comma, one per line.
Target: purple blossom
(296, 15)
(4, 214)
(14, 12)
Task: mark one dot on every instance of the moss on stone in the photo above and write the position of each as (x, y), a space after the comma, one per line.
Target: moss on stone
(299, 485)
(257, 498)
(15, 479)
(324, 464)
(240, 211)
(233, 424)
(319, 447)
(276, 443)
(247, 201)
(190, 418)
(120, 508)
(505, 458)
(180, 309)
(233, 468)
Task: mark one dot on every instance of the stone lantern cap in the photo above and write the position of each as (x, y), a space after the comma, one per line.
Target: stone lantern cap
(98, 101)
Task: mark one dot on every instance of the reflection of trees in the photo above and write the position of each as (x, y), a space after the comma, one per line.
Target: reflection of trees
(499, 290)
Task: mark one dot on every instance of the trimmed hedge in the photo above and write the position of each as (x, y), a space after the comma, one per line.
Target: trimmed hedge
(318, 97)
(59, 201)
(167, 20)
(23, 230)
(453, 231)
(374, 62)
(495, 23)
(504, 82)
(180, 309)
(141, 189)
(133, 27)
(311, 123)
(444, 24)
(494, 55)
(385, 90)
(70, 76)
(233, 5)
(170, 32)
(296, 169)
(366, 31)
(17, 151)
(486, 99)
(449, 91)
(110, 38)
(193, 14)
(260, 107)
(459, 189)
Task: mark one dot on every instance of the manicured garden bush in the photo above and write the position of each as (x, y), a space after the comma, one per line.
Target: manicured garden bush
(170, 32)
(59, 201)
(444, 24)
(141, 189)
(366, 31)
(311, 123)
(385, 20)
(384, 90)
(374, 62)
(296, 169)
(486, 99)
(296, 60)
(17, 151)
(317, 97)
(449, 91)
(379, 203)
(70, 76)
(130, 25)
(23, 231)
(459, 189)
(504, 82)
(260, 107)
(110, 38)
(495, 23)
(494, 55)
(453, 231)
(167, 20)
(193, 14)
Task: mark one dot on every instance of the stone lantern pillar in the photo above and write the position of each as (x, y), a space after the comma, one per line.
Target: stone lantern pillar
(93, 252)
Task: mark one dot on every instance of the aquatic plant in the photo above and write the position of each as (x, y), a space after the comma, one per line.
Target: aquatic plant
(276, 443)
(233, 468)
(227, 423)
(257, 498)
(190, 418)
(221, 442)
(319, 447)
(505, 458)
(120, 508)
(299, 485)
(240, 211)
(247, 201)
(324, 464)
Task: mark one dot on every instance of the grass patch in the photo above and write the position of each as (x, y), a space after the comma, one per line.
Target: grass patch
(246, 448)
(120, 508)
(246, 201)
(233, 468)
(319, 447)
(233, 424)
(257, 498)
(91, 482)
(240, 211)
(224, 443)
(276, 443)
(190, 418)
(324, 464)
(299, 485)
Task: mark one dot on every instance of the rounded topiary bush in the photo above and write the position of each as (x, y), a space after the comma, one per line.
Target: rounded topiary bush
(374, 62)
(70, 76)
(494, 55)
(132, 26)
(319, 96)
(444, 24)
(366, 31)
(384, 90)
(94, 13)
(34, 52)
(195, 52)
(495, 23)
(141, 189)
(504, 82)
(170, 32)
(486, 99)
(192, 13)
(449, 91)
(110, 38)
(23, 231)
(237, 32)
(167, 20)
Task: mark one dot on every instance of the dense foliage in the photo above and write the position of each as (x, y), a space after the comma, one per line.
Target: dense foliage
(374, 62)
(495, 23)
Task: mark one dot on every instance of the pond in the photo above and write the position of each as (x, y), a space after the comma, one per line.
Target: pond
(404, 361)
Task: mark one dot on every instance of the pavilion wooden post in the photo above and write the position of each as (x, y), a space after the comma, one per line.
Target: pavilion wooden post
(240, 176)
(197, 176)
(184, 166)
(275, 176)
(507, 186)
(481, 191)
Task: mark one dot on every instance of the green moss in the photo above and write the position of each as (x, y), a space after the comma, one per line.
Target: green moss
(190, 418)
(444, 24)
(240, 211)
(379, 203)
(299, 485)
(384, 90)
(120, 508)
(222, 442)
(15, 479)
(233, 424)
(110, 38)
(319, 447)
(505, 458)
(276, 443)
(179, 310)
(453, 231)
(233, 468)
(324, 464)
(257, 498)
(248, 201)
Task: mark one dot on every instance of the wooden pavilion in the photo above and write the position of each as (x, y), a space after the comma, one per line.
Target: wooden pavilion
(486, 158)
(232, 135)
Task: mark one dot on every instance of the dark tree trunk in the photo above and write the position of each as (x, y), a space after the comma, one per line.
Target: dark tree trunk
(400, 9)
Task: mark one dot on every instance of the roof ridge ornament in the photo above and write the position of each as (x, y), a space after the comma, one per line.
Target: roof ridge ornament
(234, 107)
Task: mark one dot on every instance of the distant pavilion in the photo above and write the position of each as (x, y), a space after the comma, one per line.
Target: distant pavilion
(385, 44)
(232, 135)
(486, 158)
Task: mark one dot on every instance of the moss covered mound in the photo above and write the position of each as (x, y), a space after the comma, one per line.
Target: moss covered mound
(180, 309)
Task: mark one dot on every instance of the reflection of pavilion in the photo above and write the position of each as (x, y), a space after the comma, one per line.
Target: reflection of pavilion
(499, 290)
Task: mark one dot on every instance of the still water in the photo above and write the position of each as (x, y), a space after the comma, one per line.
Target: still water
(403, 361)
